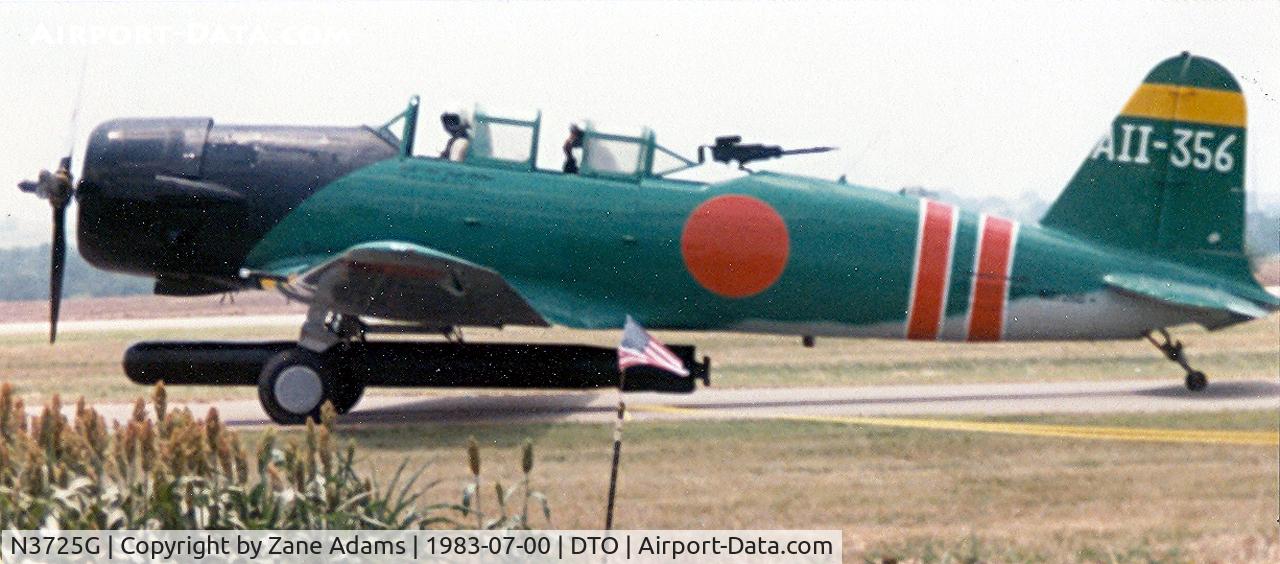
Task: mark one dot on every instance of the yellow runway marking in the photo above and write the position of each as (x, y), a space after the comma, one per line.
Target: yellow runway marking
(1262, 438)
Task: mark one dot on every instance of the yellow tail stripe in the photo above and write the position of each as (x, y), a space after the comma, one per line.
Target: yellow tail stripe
(1186, 103)
(1259, 438)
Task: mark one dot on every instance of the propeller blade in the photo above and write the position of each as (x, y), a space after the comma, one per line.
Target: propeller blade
(74, 123)
(57, 264)
(59, 189)
(62, 189)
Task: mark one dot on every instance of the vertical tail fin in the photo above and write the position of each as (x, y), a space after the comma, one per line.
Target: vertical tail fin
(1168, 177)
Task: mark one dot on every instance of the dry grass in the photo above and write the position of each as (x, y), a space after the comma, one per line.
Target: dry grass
(149, 306)
(90, 362)
(908, 494)
(1268, 273)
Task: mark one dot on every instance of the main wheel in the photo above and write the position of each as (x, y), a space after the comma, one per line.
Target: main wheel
(295, 383)
(1196, 380)
(347, 394)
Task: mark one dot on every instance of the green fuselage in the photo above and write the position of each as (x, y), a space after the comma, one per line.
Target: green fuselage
(587, 251)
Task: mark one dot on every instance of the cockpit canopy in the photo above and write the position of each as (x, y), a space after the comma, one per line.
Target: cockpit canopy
(511, 143)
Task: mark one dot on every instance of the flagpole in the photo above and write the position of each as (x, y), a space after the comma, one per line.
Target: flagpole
(617, 449)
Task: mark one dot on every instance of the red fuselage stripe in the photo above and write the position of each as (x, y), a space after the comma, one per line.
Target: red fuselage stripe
(991, 279)
(932, 270)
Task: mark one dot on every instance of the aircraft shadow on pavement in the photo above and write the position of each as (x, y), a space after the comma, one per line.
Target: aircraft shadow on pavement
(1217, 390)
(543, 408)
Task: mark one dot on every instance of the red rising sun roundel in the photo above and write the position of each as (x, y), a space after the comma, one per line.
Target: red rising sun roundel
(735, 246)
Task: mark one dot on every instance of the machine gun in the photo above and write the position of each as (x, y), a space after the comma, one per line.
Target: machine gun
(730, 148)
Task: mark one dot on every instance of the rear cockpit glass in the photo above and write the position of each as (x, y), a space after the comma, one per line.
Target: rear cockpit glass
(613, 156)
(616, 156)
(504, 141)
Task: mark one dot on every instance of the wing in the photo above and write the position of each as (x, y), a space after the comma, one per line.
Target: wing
(1185, 295)
(406, 282)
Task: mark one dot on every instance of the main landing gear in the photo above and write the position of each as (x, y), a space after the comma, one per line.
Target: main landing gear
(1172, 349)
(295, 383)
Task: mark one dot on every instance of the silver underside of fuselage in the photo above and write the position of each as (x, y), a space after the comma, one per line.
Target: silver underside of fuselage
(1101, 315)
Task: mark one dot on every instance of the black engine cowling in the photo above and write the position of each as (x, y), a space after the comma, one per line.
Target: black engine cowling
(185, 200)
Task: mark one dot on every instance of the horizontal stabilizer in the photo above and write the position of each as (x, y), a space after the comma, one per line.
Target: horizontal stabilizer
(1184, 295)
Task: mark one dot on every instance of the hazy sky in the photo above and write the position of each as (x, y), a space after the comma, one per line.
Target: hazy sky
(978, 98)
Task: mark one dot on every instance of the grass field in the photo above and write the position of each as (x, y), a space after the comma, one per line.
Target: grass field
(89, 363)
(906, 494)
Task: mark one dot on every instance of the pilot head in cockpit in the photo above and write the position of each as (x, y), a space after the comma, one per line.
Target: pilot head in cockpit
(456, 149)
(573, 142)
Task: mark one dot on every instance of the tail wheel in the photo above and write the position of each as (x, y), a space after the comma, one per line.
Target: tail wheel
(1196, 381)
(294, 385)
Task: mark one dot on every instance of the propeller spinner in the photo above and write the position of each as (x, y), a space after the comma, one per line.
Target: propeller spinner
(58, 188)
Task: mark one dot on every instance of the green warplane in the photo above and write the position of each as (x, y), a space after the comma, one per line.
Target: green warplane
(1148, 234)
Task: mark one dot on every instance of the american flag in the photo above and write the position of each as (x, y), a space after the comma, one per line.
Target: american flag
(639, 347)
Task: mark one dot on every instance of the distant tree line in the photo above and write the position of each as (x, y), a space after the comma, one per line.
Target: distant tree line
(1262, 233)
(1262, 226)
(24, 275)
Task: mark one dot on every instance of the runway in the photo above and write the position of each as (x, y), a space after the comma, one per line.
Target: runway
(932, 407)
